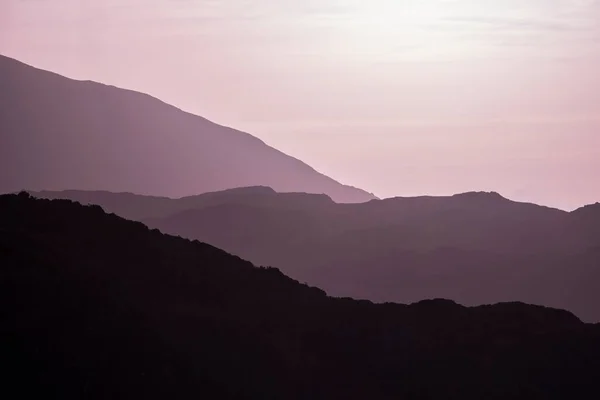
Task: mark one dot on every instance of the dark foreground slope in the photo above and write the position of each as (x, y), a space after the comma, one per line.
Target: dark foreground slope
(474, 248)
(94, 306)
(57, 133)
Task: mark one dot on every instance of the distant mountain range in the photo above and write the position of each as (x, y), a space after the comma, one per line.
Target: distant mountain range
(57, 133)
(475, 248)
(96, 307)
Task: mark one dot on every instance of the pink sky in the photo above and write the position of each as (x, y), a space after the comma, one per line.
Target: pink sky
(396, 97)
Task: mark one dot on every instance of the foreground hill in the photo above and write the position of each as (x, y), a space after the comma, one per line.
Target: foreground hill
(58, 133)
(93, 306)
(475, 248)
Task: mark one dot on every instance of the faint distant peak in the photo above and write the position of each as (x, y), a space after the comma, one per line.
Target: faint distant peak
(480, 195)
(262, 190)
(588, 210)
(437, 303)
(312, 197)
(467, 196)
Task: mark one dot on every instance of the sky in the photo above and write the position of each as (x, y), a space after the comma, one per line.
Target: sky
(397, 97)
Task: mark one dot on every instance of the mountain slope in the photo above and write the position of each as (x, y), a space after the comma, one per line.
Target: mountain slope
(93, 306)
(475, 248)
(472, 248)
(58, 133)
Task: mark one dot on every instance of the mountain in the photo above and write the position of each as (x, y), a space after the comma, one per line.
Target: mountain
(475, 248)
(138, 207)
(58, 133)
(93, 306)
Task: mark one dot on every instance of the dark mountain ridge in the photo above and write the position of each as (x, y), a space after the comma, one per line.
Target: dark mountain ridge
(94, 306)
(58, 133)
(476, 248)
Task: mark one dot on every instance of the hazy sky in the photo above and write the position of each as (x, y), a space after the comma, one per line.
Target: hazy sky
(398, 97)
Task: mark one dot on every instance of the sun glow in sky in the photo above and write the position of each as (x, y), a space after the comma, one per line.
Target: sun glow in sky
(399, 97)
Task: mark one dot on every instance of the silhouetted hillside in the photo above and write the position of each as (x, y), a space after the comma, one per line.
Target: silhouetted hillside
(475, 248)
(58, 133)
(93, 306)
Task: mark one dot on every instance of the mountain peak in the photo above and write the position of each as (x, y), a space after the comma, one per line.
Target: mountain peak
(480, 195)
(249, 190)
(594, 208)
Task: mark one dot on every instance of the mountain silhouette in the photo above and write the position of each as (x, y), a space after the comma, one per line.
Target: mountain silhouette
(58, 133)
(94, 306)
(475, 248)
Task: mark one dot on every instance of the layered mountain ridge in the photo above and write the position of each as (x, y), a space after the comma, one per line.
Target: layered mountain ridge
(475, 248)
(94, 306)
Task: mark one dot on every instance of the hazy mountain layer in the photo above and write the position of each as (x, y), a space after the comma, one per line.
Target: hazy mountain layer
(57, 133)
